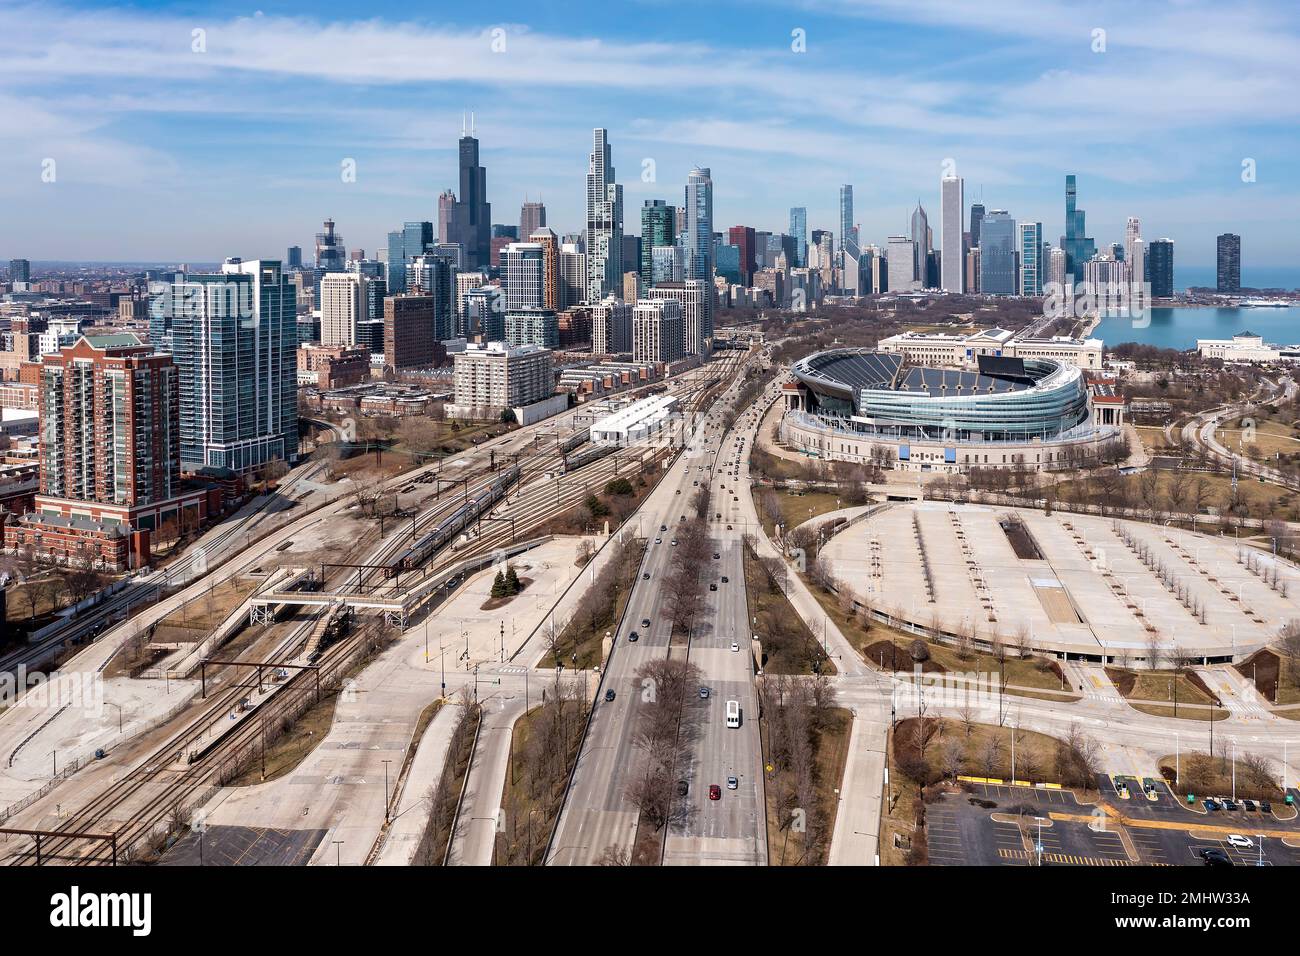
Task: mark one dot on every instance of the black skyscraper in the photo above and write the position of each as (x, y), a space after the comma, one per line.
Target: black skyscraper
(1229, 263)
(1160, 268)
(473, 220)
(976, 218)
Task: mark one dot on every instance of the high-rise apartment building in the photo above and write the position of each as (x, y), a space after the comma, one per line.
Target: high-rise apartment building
(409, 337)
(493, 376)
(604, 221)
(698, 242)
(433, 275)
(611, 327)
(847, 229)
(523, 270)
(234, 337)
(1031, 258)
(550, 244)
(693, 297)
(657, 330)
(1078, 247)
(952, 203)
(20, 270)
(658, 230)
(533, 325)
(344, 305)
(1132, 231)
(413, 239)
(573, 275)
(1229, 263)
(1160, 267)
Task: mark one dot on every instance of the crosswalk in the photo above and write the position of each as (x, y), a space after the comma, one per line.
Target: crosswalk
(1066, 859)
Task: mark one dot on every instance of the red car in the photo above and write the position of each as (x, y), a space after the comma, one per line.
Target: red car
(715, 792)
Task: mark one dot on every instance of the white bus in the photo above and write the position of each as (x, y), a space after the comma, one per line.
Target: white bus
(733, 713)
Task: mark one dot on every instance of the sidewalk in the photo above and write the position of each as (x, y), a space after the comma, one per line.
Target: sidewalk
(411, 813)
(855, 840)
(476, 829)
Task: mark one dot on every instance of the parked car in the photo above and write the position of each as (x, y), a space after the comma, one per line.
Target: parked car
(1240, 842)
(1213, 856)
(1211, 805)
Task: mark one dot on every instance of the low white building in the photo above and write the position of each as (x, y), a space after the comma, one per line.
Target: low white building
(636, 422)
(1242, 347)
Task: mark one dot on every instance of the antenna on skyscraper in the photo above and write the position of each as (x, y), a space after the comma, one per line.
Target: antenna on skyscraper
(471, 122)
(462, 122)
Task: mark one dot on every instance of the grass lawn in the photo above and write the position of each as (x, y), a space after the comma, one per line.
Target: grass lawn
(529, 818)
(1270, 438)
(1153, 437)
(293, 747)
(785, 847)
(795, 508)
(578, 638)
(1203, 776)
(1261, 500)
(789, 647)
(1160, 685)
(1274, 680)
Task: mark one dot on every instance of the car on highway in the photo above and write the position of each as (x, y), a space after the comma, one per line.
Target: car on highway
(633, 637)
(735, 646)
(1240, 842)
(732, 783)
(609, 695)
(725, 579)
(683, 788)
(659, 540)
(716, 556)
(1213, 856)
(715, 792)
(674, 542)
(704, 693)
(728, 527)
(645, 622)
(663, 527)
(645, 576)
(712, 586)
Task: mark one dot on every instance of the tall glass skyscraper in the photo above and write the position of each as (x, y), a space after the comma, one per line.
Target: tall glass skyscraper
(699, 246)
(847, 234)
(471, 226)
(604, 222)
(1078, 247)
(234, 338)
(658, 228)
(799, 230)
(998, 254)
(1031, 258)
(1160, 267)
(1229, 263)
(976, 219)
(414, 239)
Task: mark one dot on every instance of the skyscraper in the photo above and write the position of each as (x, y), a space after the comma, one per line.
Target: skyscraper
(1132, 231)
(1078, 247)
(331, 256)
(1031, 258)
(658, 228)
(847, 232)
(742, 237)
(951, 204)
(550, 244)
(413, 239)
(976, 218)
(1137, 263)
(471, 224)
(699, 243)
(799, 230)
(295, 257)
(998, 254)
(604, 221)
(433, 275)
(1160, 268)
(1229, 263)
(532, 216)
(900, 252)
(20, 270)
(344, 304)
(524, 269)
(234, 339)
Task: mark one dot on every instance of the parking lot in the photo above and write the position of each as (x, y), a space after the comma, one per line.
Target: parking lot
(998, 825)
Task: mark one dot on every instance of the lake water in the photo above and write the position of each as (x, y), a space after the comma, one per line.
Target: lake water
(1179, 328)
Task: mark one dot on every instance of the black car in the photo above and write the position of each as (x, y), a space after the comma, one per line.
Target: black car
(633, 637)
(1213, 856)
(725, 579)
(683, 788)
(609, 695)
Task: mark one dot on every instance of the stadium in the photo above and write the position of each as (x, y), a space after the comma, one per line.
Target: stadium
(860, 405)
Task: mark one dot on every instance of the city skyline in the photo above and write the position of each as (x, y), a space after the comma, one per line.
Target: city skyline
(235, 121)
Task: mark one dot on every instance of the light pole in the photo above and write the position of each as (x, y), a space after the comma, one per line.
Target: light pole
(385, 763)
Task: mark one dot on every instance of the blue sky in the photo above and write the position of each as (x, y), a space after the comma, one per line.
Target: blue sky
(164, 153)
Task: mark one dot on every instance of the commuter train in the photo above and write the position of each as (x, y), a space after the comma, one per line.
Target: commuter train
(574, 440)
(576, 460)
(452, 525)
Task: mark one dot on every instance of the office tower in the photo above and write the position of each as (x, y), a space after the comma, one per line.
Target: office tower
(466, 282)
(799, 232)
(111, 406)
(550, 244)
(523, 271)
(344, 305)
(295, 257)
(494, 376)
(1078, 247)
(573, 275)
(901, 254)
(921, 241)
(532, 325)
(331, 256)
(847, 230)
(449, 214)
(1031, 258)
(433, 275)
(1132, 231)
(1229, 263)
(693, 297)
(631, 286)
(631, 259)
(973, 270)
(658, 229)
(234, 337)
(20, 270)
(409, 336)
(1056, 267)
(743, 238)
(502, 231)
(976, 219)
(726, 264)
(657, 330)
(998, 254)
(761, 246)
(699, 240)
(951, 205)
(611, 327)
(532, 216)
(604, 221)
(1160, 267)
(668, 264)
(414, 239)
(851, 271)
(469, 218)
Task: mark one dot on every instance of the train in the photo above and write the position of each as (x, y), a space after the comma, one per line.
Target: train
(574, 440)
(578, 459)
(452, 525)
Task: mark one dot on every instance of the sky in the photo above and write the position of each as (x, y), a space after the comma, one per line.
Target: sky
(192, 131)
